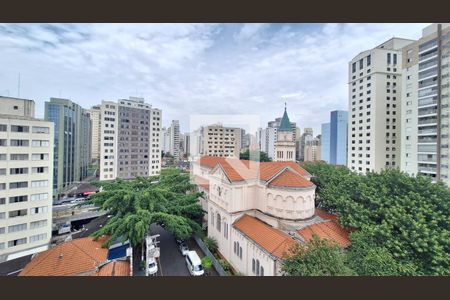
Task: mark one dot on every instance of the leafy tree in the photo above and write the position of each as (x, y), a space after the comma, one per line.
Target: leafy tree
(318, 258)
(207, 263)
(211, 243)
(405, 219)
(253, 155)
(169, 200)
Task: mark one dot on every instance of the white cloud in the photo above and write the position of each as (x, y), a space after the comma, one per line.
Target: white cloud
(192, 68)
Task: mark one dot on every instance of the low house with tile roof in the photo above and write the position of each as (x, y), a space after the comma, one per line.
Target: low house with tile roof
(79, 257)
(257, 210)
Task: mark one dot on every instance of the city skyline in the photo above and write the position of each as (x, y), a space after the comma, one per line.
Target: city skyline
(191, 68)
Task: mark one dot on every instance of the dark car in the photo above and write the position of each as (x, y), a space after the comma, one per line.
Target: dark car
(183, 249)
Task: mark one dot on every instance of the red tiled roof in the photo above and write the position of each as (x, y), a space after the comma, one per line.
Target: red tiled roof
(114, 268)
(240, 170)
(325, 215)
(204, 183)
(272, 240)
(290, 179)
(76, 257)
(326, 230)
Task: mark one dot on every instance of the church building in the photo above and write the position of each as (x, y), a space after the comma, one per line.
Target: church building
(285, 144)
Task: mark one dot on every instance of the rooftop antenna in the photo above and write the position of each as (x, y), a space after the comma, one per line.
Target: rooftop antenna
(18, 87)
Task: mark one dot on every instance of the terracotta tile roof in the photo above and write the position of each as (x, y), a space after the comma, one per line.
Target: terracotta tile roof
(272, 240)
(326, 230)
(240, 170)
(204, 183)
(290, 179)
(114, 268)
(325, 215)
(69, 258)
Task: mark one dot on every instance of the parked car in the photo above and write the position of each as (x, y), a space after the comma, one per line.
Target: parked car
(194, 264)
(64, 229)
(78, 200)
(152, 266)
(183, 248)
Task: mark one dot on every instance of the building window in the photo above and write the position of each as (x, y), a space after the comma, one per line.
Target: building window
(225, 230)
(218, 223)
(368, 60)
(257, 267)
(262, 271)
(17, 242)
(388, 58)
(18, 128)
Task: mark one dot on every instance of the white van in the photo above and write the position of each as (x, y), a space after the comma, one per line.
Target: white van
(194, 264)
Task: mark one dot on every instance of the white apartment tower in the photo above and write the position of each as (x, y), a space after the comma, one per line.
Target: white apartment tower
(375, 79)
(425, 105)
(26, 180)
(130, 139)
(215, 140)
(175, 139)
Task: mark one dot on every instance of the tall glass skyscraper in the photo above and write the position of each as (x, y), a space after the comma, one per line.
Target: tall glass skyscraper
(338, 137)
(325, 151)
(334, 138)
(72, 140)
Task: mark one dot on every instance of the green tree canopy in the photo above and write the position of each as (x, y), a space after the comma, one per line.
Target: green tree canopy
(404, 219)
(169, 200)
(254, 155)
(318, 258)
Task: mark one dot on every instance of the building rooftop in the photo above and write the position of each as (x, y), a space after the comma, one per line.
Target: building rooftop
(241, 170)
(80, 257)
(329, 230)
(285, 124)
(274, 241)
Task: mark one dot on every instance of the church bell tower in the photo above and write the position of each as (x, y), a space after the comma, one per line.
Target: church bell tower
(285, 145)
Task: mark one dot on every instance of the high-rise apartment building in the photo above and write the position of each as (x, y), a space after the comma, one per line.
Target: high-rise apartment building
(109, 130)
(425, 104)
(325, 142)
(216, 140)
(72, 141)
(375, 78)
(307, 136)
(130, 139)
(175, 139)
(26, 177)
(94, 115)
(312, 151)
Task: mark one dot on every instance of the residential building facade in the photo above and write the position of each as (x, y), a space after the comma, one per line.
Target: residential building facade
(216, 140)
(375, 78)
(425, 113)
(72, 140)
(94, 115)
(130, 139)
(312, 150)
(26, 177)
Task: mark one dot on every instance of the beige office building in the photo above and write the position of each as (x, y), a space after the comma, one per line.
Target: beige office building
(217, 140)
(425, 104)
(94, 115)
(375, 80)
(26, 180)
(312, 150)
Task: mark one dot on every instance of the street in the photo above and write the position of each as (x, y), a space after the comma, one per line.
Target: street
(172, 262)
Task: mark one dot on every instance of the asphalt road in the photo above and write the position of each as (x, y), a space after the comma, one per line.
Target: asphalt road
(171, 261)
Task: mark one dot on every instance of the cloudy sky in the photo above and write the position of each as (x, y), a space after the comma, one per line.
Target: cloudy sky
(187, 69)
